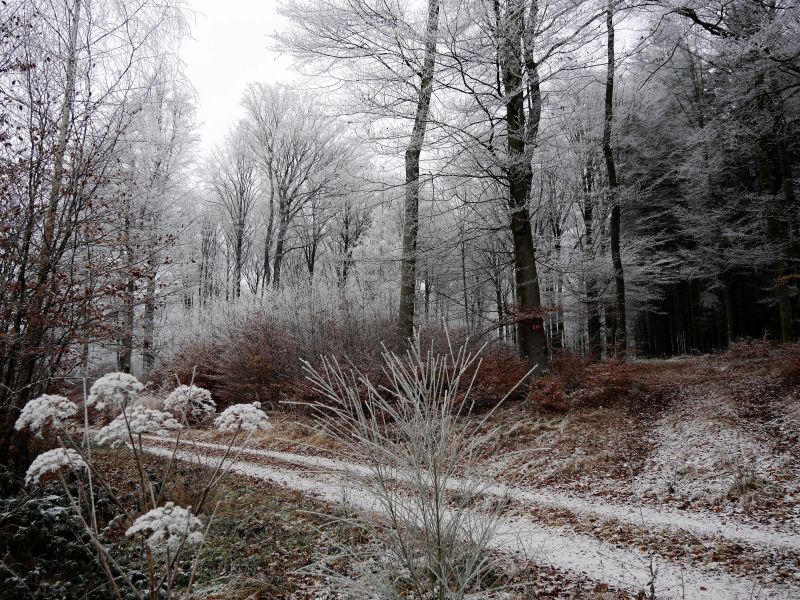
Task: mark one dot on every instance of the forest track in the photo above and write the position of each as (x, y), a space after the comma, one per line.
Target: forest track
(704, 524)
(619, 566)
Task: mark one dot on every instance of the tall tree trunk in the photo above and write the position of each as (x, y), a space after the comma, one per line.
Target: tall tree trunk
(727, 301)
(498, 298)
(125, 352)
(776, 183)
(149, 324)
(530, 334)
(620, 339)
(238, 260)
(283, 227)
(268, 241)
(594, 346)
(559, 341)
(427, 295)
(464, 280)
(408, 261)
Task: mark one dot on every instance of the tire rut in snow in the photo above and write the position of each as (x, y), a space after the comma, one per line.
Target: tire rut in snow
(529, 539)
(639, 516)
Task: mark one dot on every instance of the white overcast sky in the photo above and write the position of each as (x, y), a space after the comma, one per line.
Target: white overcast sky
(229, 49)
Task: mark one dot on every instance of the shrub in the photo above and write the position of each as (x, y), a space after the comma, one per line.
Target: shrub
(427, 540)
(499, 371)
(254, 361)
(548, 393)
(789, 365)
(49, 411)
(570, 369)
(745, 348)
(192, 402)
(606, 383)
(46, 552)
(257, 358)
(169, 528)
(576, 383)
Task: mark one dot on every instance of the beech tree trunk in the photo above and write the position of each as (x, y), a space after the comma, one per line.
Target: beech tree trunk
(530, 334)
(408, 261)
(727, 301)
(125, 351)
(620, 337)
(775, 180)
(267, 275)
(464, 280)
(594, 342)
(283, 227)
(149, 320)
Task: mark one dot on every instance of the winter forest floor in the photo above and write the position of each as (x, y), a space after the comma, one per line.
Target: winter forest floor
(690, 488)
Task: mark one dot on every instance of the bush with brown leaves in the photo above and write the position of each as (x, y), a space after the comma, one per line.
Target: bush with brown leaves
(789, 365)
(258, 358)
(576, 383)
(746, 348)
(549, 394)
(499, 371)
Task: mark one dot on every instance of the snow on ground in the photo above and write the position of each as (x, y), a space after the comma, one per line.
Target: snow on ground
(556, 546)
(716, 445)
(662, 518)
(701, 458)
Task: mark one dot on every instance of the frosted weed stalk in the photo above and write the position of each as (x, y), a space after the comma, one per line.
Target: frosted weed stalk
(169, 529)
(429, 519)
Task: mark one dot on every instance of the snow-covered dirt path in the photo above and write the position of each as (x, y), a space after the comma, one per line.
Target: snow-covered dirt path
(639, 516)
(620, 567)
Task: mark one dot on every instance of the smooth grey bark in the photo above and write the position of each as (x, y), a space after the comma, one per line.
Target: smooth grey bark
(283, 227)
(522, 132)
(408, 261)
(620, 335)
(267, 273)
(149, 324)
(464, 279)
(125, 349)
(209, 248)
(594, 347)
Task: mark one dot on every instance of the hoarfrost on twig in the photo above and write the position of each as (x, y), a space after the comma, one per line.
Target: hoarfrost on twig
(114, 390)
(140, 420)
(201, 405)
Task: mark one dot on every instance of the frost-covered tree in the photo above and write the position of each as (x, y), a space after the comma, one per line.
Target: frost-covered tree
(385, 53)
(236, 186)
(301, 152)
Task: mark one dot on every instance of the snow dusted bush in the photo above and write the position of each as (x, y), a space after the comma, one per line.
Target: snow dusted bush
(49, 410)
(201, 406)
(140, 420)
(114, 391)
(439, 527)
(243, 417)
(53, 461)
(169, 526)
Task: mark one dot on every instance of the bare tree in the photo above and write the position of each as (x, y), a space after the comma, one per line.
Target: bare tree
(301, 152)
(75, 79)
(387, 56)
(408, 262)
(620, 328)
(233, 178)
